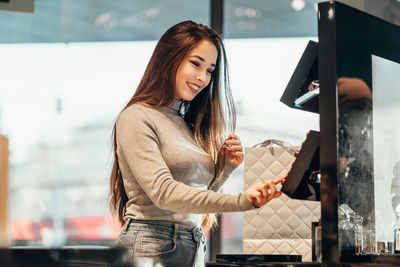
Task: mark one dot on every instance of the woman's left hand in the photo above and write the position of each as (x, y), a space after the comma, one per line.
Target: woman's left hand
(233, 149)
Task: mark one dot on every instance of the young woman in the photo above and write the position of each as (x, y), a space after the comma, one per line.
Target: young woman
(171, 156)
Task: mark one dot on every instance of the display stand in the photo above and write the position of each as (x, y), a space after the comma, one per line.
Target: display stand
(348, 42)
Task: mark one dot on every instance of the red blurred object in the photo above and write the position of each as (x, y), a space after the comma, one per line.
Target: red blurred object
(89, 227)
(24, 229)
(229, 229)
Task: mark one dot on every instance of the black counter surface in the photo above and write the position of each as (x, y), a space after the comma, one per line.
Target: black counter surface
(77, 257)
(237, 258)
(112, 257)
(263, 264)
(258, 260)
(295, 264)
(245, 260)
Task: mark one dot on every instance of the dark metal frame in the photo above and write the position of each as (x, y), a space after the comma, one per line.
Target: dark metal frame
(347, 39)
(217, 15)
(217, 22)
(328, 128)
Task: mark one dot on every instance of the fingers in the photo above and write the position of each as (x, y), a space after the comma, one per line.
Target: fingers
(279, 180)
(261, 193)
(271, 187)
(282, 180)
(255, 197)
(237, 153)
(258, 196)
(233, 143)
(233, 148)
(264, 190)
(232, 139)
(233, 136)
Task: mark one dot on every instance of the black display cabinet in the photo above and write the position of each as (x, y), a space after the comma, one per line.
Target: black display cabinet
(351, 77)
(357, 98)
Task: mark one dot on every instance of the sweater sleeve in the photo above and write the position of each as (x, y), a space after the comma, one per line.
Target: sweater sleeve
(229, 168)
(137, 140)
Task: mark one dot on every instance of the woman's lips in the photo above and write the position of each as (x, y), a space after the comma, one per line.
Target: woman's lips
(193, 87)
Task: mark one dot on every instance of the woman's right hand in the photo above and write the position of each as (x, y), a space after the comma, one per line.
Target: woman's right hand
(261, 193)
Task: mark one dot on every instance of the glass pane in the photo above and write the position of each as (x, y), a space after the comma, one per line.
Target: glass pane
(386, 106)
(258, 80)
(368, 191)
(58, 104)
(60, 92)
(98, 20)
(270, 18)
(259, 76)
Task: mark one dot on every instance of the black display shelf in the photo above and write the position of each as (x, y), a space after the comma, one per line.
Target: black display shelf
(60, 257)
(256, 258)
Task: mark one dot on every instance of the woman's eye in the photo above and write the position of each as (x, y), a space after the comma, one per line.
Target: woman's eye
(195, 63)
(210, 71)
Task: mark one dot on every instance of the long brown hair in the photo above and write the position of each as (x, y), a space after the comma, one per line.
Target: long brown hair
(210, 115)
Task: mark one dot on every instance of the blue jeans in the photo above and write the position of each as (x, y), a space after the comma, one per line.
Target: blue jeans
(160, 243)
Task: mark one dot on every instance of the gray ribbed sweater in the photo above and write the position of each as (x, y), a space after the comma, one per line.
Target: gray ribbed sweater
(165, 173)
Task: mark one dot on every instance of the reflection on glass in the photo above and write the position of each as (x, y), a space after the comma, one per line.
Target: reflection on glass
(369, 155)
(386, 106)
(346, 230)
(395, 193)
(359, 233)
(355, 159)
(318, 244)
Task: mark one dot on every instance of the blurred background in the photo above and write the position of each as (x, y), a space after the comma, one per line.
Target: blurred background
(68, 69)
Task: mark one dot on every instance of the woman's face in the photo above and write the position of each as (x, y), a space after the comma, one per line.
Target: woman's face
(194, 73)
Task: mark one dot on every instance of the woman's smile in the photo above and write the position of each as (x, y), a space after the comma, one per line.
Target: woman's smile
(195, 87)
(195, 71)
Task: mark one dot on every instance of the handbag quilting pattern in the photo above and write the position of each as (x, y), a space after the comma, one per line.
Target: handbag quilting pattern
(282, 226)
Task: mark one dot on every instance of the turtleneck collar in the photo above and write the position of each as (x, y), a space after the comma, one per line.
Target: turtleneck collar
(175, 105)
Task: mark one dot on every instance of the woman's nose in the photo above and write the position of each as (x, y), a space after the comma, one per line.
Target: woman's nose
(201, 76)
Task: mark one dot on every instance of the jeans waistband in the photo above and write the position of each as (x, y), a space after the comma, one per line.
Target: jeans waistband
(196, 232)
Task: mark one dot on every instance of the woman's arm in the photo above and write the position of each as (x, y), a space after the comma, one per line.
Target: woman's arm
(138, 141)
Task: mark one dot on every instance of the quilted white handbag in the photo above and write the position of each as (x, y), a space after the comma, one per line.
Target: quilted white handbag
(282, 226)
